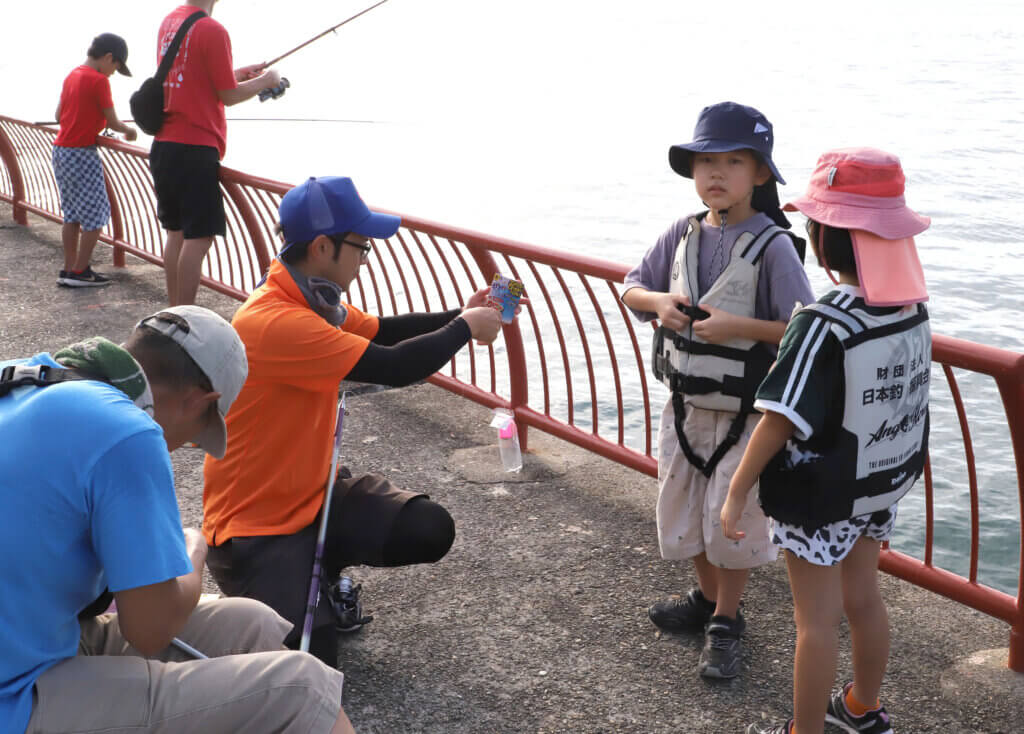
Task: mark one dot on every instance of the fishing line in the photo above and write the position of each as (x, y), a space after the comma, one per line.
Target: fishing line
(321, 35)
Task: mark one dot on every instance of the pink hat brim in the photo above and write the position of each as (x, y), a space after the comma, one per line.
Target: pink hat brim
(889, 270)
(890, 219)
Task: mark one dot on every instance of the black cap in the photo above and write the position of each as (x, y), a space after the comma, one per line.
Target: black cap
(110, 43)
(723, 127)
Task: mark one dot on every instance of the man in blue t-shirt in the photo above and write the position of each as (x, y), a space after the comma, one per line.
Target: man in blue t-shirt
(89, 504)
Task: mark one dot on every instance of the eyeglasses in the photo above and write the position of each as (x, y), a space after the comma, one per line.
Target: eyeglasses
(366, 247)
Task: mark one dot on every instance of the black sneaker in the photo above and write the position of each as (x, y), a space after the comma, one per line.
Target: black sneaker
(875, 721)
(61, 277)
(690, 614)
(348, 610)
(766, 729)
(722, 651)
(86, 278)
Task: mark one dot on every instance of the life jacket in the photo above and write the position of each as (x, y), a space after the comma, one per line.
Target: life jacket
(42, 375)
(723, 376)
(869, 459)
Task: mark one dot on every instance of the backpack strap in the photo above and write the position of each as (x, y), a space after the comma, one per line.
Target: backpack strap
(40, 375)
(172, 51)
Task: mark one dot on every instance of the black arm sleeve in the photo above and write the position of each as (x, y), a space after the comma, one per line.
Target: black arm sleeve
(395, 329)
(412, 359)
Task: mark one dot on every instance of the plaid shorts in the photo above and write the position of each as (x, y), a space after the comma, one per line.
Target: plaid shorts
(83, 194)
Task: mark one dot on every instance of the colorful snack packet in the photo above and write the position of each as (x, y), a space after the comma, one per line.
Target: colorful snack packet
(504, 296)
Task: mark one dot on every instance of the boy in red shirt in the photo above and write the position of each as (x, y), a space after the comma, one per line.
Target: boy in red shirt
(85, 108)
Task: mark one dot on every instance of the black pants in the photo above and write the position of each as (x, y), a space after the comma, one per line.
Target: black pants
(371, 522)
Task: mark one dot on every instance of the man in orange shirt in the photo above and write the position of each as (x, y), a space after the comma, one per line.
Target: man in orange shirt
(186, 152)
(263, 499)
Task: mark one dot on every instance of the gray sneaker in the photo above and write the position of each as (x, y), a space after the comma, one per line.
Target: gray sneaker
(86, 278)
(343, 596)
(689, 614)
(875, 721)
(723, 652)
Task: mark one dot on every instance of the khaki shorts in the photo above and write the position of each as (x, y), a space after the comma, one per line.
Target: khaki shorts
(250, 684)
(690, 504)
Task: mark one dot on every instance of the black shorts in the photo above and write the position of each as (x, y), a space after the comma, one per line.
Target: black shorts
(187, 183)
(275, 569)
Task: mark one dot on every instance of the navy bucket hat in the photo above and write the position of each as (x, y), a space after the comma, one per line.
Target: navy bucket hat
(723, 127)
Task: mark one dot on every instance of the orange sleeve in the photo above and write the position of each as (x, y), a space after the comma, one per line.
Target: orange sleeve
(360, 323)
(297, 347)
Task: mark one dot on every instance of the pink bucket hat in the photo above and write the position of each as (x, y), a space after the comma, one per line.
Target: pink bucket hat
(861, 189)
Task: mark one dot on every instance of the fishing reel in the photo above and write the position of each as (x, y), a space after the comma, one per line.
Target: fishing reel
(274, 92)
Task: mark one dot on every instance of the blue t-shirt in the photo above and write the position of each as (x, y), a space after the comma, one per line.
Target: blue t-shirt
(86, 501)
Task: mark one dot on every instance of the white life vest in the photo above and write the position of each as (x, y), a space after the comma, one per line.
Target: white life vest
(716, 376)
(724, 376)
(872, 457)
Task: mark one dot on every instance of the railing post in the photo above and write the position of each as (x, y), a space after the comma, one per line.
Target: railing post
(252, 224)
(116, 219)
(10, 159)
(1011, 389)
(519, 390)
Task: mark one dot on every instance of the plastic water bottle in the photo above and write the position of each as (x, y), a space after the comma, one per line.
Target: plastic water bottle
(508, 444)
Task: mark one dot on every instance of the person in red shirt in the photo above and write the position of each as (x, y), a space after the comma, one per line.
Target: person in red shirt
(84, 109)
(186, 152)
(262, 501)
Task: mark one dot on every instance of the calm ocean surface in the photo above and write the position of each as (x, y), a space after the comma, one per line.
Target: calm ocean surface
(549, 122)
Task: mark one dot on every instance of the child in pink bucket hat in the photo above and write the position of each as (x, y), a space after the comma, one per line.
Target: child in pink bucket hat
(844, 433)
(861, 190)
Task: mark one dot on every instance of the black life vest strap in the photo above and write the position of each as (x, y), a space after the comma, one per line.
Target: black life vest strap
(41, 375)
(707, 467)
(758, 361)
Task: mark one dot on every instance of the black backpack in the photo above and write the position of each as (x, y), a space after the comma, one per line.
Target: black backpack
(147, 104)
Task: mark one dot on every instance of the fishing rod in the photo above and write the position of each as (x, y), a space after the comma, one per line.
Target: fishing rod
(313, 599)
(51, 123)
(321, 35)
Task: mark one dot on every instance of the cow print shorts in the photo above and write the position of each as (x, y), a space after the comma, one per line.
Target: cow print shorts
(830, 544)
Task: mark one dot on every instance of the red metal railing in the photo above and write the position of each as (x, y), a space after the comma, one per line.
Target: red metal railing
(575, 345)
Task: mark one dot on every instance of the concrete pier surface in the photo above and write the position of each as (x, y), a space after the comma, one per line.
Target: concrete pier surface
(536, 621)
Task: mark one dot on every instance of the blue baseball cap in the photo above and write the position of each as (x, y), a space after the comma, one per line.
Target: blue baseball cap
(330, 205)
(723, 127)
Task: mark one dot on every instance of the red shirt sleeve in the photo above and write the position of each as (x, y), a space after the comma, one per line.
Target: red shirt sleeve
(216, 48)
(101, 93)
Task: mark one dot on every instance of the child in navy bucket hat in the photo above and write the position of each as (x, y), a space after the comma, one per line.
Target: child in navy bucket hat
(722, 282)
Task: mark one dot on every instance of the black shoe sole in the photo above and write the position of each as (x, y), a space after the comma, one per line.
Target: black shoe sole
(678, 628)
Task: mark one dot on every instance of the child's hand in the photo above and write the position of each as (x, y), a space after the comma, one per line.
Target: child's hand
(719, 327)
(730, 517)
(130, 134)
(668, 312)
